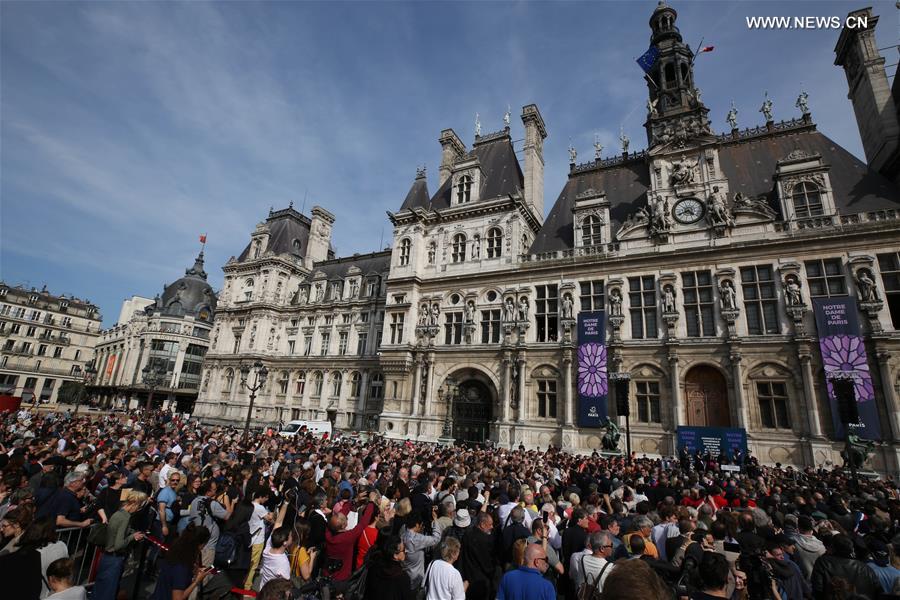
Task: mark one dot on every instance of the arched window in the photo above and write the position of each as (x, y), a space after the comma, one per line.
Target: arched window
(376, 388)
(248, 289)
(464, 189)
(301, 383)
(296, 245)
(591, 231)
(283, 382)
(229, 379)
(459, 248)
(317, 384)
(336, 381)
(494, 242)
(404, 252)
(354, 384)
(670, 75)
(807, 199)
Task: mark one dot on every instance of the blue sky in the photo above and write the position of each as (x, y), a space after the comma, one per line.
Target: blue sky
(128, 129)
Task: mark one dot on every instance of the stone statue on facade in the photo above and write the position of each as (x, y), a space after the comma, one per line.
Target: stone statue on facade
(625, 141)
(661, 219)
(732, 116)
(354, 288)
(506, 116)
(718, 213)
(611, 437)
(435, 315)
(320, 292)
(668, 299)
(651, 107)
(598, 148)
(683, 172)
(727, 295)
(509, 311)
(470, 312)
(868, 292)
(423, 315)
(523, 309)
(302, 294)
(477, 125)
(615, 303)
(431, 251)
(803, 103)
(766, 108)
(568, 307)
(792, 291)
(573, 154)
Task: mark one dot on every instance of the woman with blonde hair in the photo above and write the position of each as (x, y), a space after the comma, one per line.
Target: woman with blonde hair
(118, 544)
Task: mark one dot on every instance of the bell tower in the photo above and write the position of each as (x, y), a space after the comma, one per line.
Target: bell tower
(675, 111)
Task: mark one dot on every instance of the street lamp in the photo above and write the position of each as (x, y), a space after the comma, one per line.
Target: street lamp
(152, 377)
(259, 380)
(87, 378)
(449, 391)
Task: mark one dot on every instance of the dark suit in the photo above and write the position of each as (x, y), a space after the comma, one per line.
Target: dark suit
(477, 563)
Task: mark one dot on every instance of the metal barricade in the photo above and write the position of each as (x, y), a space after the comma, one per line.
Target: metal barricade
(80, 551)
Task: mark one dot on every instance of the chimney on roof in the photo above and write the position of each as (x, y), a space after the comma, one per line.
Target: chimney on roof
(452, 149)
(873, 103)
(535, 133)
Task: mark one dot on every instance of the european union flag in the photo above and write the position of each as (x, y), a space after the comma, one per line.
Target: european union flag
(648, 58)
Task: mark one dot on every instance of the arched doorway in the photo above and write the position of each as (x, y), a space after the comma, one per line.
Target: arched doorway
(472, 412)
(707, 398)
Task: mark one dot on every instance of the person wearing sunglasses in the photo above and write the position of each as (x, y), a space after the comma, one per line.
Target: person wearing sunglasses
(528, 582)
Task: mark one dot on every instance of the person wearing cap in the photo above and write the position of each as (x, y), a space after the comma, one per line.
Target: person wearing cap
(880, 564)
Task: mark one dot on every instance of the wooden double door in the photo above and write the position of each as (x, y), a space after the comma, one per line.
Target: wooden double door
(706, 395)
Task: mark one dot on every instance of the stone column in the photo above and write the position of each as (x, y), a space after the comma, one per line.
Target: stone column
(737, 374)
(890, 397)
(417, 384)
(567, 382)
(507, 382)
(809, 394)
(523, 401)
(429, 388)
(361, 400)
(675, 376)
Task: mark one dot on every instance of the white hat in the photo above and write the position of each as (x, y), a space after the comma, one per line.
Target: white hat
(462, 518)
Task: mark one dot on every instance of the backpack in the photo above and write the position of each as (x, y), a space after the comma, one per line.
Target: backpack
(356, 585)
(591, 591)
(98, 535)
(226, 550)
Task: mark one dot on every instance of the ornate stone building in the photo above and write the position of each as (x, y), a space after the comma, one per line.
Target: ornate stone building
(170, 334)
(706, 251)
(45, 341)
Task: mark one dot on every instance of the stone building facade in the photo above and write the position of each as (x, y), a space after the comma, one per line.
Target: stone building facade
(45, 341)
(706, 251)
(170, 333)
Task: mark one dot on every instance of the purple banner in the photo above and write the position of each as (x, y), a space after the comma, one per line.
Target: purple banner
(843, 351)
(593, 381)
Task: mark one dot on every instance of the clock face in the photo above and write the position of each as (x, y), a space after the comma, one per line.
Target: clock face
(689, 210)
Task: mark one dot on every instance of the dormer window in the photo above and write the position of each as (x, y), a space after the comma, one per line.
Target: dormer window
(807, 200)
(459, 248)
(256, 248)
(591, 231)
(248, 290)
(296, 245)
(405, 246)
(33, 298)
(464, 189)
(494, 242)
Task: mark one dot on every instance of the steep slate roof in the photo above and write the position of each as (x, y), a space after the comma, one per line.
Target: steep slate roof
(748, 164)
(285, 226)
(418, 193)
(502, 173)
(374, 262)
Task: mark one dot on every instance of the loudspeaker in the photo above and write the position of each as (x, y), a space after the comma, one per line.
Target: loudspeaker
(623, 406)
(845, 398)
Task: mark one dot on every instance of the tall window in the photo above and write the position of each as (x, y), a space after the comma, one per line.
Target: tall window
(342, 343)
(592, 295)
(326, 341)
(889, 264)
(229, 379)
(773, 404)
(490, 326)
(301, 383)
(318, 380)
(453, 328)
(292, 344)
(546, 312)
(494, 242)
(307, 345)
(336, 382)
(248, 290)
(825, 277)
(464, 189)
(642, 298)
(807, 200)
(699, 312)
(405, 246)
(354, 384)
(396, 328)
(647, 398)
(546, 396)
(283, 383)
(591, 231)
(760, 301)
(376, 388)
(459, 248)
(361, 340)
(237, 344)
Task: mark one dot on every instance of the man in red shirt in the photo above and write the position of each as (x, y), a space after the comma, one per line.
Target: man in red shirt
(340, 542)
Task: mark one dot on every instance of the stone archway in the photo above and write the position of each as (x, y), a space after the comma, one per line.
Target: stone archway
(473, 409)
(706, 397)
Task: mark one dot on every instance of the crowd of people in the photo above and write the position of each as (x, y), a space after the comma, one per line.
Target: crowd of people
(194, 511)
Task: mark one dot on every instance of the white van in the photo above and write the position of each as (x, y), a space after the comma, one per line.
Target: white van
(317, 428)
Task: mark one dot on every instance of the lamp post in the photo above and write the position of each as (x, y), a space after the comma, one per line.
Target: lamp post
(152, 377)
(87, 377)
(259, 380)
(448, 393)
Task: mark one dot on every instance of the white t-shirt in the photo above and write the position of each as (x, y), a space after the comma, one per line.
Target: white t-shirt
(444, 582)
(274, 565)
(257, 527)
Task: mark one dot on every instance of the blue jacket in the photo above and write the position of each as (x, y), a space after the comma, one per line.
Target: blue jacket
(525, 584)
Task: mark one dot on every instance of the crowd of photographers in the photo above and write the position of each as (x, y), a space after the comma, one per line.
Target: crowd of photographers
(200, 512)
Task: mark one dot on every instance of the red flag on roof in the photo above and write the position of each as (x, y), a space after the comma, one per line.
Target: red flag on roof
(203, 239)
(706, 49)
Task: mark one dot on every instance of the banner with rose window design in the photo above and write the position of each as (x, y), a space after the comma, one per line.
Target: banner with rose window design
(593, 382)
(844, 351)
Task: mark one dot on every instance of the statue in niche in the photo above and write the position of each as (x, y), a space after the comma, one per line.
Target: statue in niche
(278, 292)
(354, 288)
(661, 219)
(423, 315)
(523, 309)
(470, 312)
(252, 337)
(431, 251)
(868, 292)
(435, 315)
(509, 312)
(568, 307)
(668, 299)
(792, 291)
(718, 212)
(302, 294)
(727, 295)
(320, 291)
(271, 341)
(615, 303)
